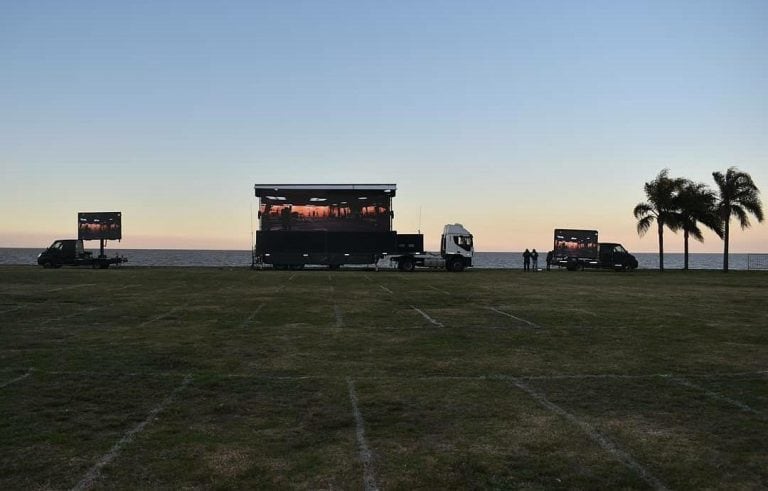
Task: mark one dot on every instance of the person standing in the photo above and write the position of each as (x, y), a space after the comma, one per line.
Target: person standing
(535, 259)
(527, 260)
(549, 259)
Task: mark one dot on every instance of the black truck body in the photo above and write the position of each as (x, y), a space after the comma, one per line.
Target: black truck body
(294, 249)
(70, 252)
(579, 249)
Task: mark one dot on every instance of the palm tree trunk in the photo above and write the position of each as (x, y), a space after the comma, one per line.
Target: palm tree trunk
(725, 243)
(685, 249)
(661, 245)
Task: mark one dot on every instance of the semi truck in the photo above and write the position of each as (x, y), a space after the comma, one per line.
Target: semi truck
(337, 224)
(70, 252)
(456, 251)
(579, 249)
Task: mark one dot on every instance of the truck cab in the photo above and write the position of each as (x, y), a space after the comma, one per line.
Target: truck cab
(456, 247)
(613, 255)
(456, 251)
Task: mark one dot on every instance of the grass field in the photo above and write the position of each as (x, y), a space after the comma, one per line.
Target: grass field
(237, 379)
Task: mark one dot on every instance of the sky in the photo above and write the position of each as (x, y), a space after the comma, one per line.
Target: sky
(510, 117)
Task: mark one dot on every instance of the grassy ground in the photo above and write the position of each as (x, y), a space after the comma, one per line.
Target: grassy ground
(210, 378)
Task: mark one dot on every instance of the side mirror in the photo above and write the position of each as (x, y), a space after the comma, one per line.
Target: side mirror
(259, 215)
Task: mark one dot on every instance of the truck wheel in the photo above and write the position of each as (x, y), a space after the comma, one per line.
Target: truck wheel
(47, 265)
(406, 264)
(456, 265)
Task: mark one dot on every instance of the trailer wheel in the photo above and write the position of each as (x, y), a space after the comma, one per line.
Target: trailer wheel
(456, 265)
(406, 264)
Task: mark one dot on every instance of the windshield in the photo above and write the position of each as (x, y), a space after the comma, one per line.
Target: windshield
(463, 241)
(619, 249)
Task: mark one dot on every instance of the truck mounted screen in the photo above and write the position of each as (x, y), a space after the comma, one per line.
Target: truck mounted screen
(575, 243)
(97, 226)
(325, 210)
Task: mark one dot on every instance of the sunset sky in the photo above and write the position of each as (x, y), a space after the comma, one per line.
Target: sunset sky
(510, 117)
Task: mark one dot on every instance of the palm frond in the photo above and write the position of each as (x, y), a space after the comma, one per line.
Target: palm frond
(644, 224)
(643, 209)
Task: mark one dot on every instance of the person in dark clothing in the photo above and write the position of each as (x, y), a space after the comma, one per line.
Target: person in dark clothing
(549, 259)
(535, 259)
(527, 260)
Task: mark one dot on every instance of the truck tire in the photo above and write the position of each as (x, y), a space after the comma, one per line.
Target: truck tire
(47, 265)
(406, 264)
(456, 265)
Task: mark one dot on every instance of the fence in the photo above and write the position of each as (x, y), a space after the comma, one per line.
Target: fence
(757, 261)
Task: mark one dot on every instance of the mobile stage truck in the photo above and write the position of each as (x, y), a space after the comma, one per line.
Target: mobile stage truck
(579, 249)
(337, 224)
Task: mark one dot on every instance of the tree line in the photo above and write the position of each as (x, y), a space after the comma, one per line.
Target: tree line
(678, 204)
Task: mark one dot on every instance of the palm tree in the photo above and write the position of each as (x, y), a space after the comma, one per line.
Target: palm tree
(739, 197)
(660, 207)
(695, 204)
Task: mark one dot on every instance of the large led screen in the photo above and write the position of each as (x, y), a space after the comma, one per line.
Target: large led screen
(337, 212)
(100, 225)
(575, 243)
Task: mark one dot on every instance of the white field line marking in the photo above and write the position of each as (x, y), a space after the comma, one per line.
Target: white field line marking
(430, 319)
(714, 395)
(585, 311)
(329, 277)
(17, 379)
(45, 322)
(159, 317)
(331, 289)
(386, 289)
(253, 314)
(71, 287)
(14, 309)
(339, 317)
(280, 288)
(292, 277)
(94, 473)
(126, 287)
(514, 317)
(595, 435)
(439, 290)
(369, 481)
(368, 277)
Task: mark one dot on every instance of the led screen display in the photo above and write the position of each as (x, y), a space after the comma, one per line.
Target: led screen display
(100, 225)
(575, 243)
(330, 212)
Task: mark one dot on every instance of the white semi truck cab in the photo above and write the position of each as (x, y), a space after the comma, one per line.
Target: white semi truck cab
(456, 251)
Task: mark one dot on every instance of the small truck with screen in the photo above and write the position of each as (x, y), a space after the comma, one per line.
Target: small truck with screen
(579, 249)
(70, 252)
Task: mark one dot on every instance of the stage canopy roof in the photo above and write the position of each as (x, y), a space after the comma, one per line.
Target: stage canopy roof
(322, 194)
